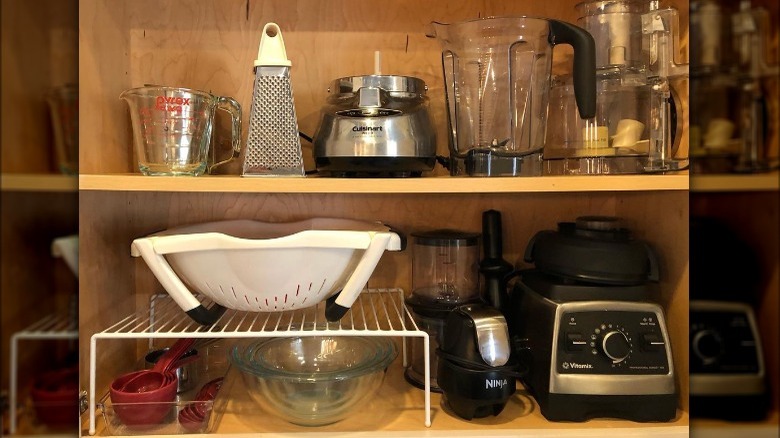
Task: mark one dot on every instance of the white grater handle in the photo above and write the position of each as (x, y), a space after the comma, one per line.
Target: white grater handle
(271, 51)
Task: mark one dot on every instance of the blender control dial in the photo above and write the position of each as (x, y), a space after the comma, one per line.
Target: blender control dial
(616, 346)
(613, 341)
(707, 345)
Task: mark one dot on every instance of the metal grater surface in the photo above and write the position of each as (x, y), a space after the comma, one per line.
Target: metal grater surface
(273, 146)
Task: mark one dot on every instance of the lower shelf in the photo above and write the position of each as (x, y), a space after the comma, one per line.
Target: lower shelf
(398, 407)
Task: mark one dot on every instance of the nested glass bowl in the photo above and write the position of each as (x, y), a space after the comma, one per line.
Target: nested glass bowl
(313, 380)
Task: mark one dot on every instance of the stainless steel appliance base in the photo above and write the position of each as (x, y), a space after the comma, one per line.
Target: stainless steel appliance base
(374, 166)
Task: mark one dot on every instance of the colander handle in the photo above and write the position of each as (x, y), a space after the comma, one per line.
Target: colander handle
(159, 266)
(336, 309)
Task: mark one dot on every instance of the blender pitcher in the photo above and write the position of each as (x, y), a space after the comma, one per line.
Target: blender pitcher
(497, 81)
(64, 108)
(172, 129)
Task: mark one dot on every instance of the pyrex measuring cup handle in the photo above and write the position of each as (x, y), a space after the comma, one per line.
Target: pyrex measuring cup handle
(584, 71)
(234, 109)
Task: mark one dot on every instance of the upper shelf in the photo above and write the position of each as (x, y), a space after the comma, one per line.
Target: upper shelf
(445, 184)
(38, 182)
(736, 182)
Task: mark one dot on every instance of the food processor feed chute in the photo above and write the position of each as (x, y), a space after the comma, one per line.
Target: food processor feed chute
(497, 79)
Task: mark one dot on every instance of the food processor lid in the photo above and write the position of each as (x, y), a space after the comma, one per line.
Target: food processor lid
(389, 83)
(598, 7)
(446, 237)
(594, 249)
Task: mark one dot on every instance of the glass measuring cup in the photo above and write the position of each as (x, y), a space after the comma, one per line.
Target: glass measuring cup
(64, 108)
(173, 127)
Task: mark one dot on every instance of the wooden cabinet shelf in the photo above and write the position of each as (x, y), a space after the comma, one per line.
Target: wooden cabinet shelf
(397, 411)
(736, 182)
(440, 184)
(711, 428)
(38, 182)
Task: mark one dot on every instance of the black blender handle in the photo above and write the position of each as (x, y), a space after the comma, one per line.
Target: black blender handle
(584, 71)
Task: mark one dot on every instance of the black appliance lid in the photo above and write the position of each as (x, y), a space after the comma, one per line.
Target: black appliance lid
(561, 290)
(723, 266)
(594, 249)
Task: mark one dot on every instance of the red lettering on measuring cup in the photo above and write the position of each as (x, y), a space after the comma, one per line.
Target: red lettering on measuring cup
(171, 104)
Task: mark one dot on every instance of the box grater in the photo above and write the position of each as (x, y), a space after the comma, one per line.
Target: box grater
(273, 147)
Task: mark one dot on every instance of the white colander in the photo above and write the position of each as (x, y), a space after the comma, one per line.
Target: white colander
(264, 267)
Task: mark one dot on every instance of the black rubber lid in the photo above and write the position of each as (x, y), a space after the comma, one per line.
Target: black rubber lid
(594, 249)
(446, 237)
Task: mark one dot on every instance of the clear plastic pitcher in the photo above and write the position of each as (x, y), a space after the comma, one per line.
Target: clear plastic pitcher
(64, 109)
(497, 81)
(172, 129)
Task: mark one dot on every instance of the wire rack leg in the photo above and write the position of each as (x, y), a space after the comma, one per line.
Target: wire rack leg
(13, 384)
(427, 358)
(92, 389)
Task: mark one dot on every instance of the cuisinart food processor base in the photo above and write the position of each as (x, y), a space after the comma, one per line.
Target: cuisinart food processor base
(375, 125)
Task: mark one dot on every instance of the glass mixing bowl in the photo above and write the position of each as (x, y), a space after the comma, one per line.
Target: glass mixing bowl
(313, 380)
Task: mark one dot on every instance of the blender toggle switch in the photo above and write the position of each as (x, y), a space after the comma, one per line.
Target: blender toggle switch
(652, 342)
(575, 341)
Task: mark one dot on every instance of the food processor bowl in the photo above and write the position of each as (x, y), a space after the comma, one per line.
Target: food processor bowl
(313, 380)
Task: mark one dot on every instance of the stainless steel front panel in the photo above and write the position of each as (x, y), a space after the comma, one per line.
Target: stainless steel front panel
(610, 384)
(729, 383)
(376, 116)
